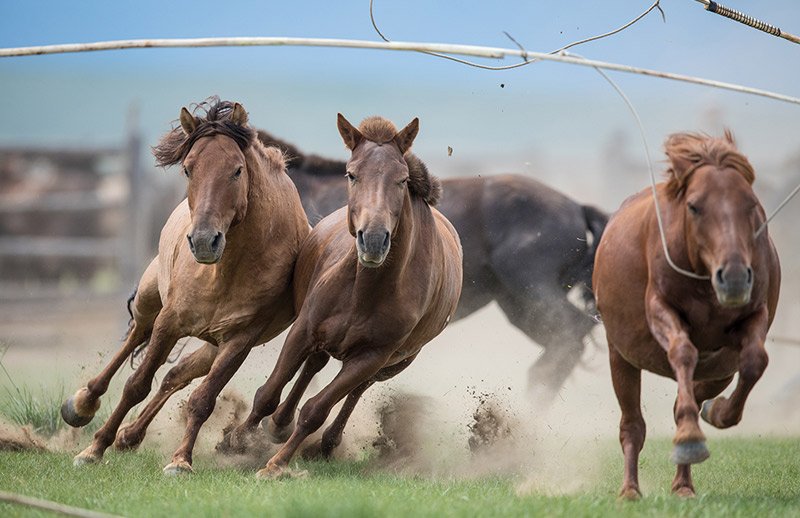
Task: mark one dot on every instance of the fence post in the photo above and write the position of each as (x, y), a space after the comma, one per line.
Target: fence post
(134, 235)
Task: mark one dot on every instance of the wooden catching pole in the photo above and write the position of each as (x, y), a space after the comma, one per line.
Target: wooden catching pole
(465, 50)
(53, 507)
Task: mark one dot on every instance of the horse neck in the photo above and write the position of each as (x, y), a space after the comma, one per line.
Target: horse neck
(410, 235)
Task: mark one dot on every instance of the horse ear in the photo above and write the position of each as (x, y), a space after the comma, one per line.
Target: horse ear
(188, 123)
(405, 137)
(349, 133)
(729, 137)
(239, 115)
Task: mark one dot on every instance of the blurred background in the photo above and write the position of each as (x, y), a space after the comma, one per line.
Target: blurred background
(81, 203)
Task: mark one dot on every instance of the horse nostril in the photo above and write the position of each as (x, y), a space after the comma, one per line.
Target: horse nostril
(191, 244)
(386, 240)
(215, 241)
(749, 275)
(360, 238)
(720, 280)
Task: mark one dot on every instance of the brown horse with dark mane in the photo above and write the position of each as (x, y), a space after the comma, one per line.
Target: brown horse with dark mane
(699, 327)
(527, 247)
(375, 281)
(223, 274)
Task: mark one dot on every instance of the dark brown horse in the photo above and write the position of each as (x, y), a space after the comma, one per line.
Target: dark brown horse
(699, 332)
(375, 281)
(525, 247)
(223, 274)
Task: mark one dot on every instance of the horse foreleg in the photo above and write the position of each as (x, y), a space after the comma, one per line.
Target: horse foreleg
(627, 381)
(79, 409)
(294, 352)
(279, 425)
(671, 333)
(726, 412)
(682, 484)
(202, 401)
(136, 388)
(315, 411)
(190, 367)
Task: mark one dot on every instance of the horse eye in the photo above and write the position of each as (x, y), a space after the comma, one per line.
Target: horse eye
(186, 173)
(404, 181)
(693, 209)
(350, 176)
(237, 174)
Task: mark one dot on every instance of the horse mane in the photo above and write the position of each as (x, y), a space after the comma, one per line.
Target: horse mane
(214, 119)
(688, 151)
(420, 182)
(298, 160)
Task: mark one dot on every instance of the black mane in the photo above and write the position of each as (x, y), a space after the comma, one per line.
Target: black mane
(297, 160)
(175, 145)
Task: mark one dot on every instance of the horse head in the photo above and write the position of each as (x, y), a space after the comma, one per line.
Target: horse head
(378, 176)
(211, 151)
(713, 180)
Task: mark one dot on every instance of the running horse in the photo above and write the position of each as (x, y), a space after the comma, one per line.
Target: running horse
(699, 326)
(526, 247)
(375, 281)
(223, 274)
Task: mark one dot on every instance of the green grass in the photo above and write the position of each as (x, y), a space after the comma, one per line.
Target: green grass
(744, 477)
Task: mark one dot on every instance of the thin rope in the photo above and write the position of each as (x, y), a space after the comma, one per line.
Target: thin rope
(776, 211)
(738, 16)
(524, 53)
(667, 256)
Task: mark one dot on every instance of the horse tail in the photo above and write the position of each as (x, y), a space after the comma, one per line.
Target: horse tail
(136, 352)
(596, 221)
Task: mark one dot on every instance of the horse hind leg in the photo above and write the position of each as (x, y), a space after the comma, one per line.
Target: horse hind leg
(627, 381)
(558, 326)
(79, 409)
(136, 388)
(189, 368)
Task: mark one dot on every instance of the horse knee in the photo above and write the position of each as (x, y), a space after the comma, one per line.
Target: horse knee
(753, 364)
(312, 416)
(682, 355)
(198, 407)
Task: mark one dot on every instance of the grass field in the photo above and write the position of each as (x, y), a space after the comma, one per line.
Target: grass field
(744, 477)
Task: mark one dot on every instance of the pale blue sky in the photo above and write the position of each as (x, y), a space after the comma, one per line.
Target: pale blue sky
(549, 120)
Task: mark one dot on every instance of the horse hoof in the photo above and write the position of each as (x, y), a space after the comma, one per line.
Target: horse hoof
(705, 411)
(71, 416)
(275, 472)
(630, 494)
(85, 459)
(316, 451)
(684, 492)
(174, 469)
(277, 434)
(693, 452)
(126, 441)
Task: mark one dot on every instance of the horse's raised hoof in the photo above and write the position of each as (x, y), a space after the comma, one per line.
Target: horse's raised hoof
(85, 459)
(277, 434)
(126, 440)
(275, 472)
(73, 414)
(693, 452)
(178, 468)
(684, 492)
(705, 411)
(630, 494)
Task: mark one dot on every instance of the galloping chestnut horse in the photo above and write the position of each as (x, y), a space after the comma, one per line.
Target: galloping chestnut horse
(699, 332)
(223, 274)
(375, 281)
(526, 246)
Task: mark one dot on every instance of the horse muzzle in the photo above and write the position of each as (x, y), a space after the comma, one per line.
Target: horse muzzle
(206, 245)
(733, 284)
(373, 247)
